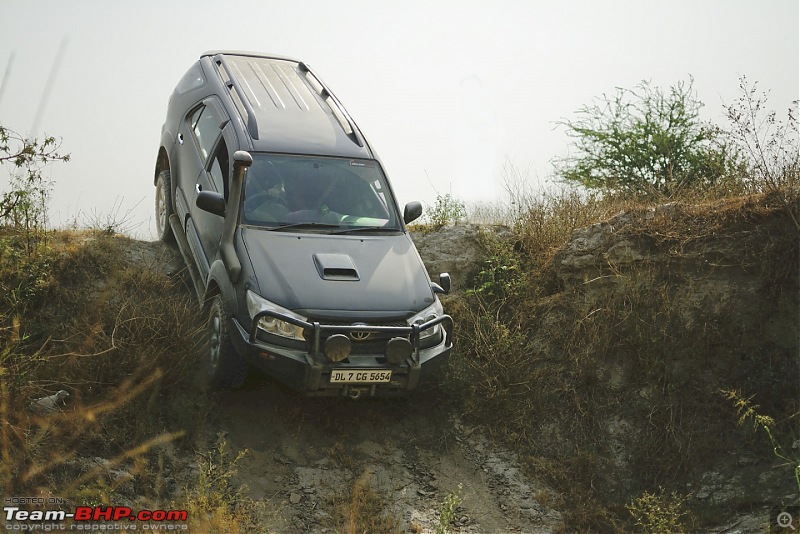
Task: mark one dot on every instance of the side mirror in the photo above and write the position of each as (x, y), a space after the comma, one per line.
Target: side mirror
(443, 287)
(444, 281)
(412, 211)
(212, 202)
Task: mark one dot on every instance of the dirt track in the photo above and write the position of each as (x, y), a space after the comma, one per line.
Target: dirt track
(304, 455)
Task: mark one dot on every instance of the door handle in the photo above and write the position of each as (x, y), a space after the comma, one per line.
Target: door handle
(198, 187)
(180, 138)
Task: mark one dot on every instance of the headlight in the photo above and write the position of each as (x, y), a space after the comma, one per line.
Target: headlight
(428, 314)
(271, 325)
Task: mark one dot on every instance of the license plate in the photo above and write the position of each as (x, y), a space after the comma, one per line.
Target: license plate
(361, 376)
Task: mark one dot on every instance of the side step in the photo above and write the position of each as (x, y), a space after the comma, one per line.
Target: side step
(183, 246)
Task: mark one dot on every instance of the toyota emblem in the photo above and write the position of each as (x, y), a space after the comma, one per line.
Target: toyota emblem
(360, 335)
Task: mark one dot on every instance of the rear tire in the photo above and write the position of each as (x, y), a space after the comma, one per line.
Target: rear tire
(220, 364)
(164, 207)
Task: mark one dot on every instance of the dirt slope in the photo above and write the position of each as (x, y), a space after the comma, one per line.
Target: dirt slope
(304, 455)
(695, 281)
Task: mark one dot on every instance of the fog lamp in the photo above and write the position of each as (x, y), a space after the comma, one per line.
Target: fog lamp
(398, 349)
(337, 348)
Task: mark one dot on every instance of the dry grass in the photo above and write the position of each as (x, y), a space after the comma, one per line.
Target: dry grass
(610, 388)
(96, 316)
(214, 503)
(360, 508)
(571, 370)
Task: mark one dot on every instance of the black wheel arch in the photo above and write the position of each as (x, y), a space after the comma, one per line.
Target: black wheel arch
(219, 283)
(162, 164)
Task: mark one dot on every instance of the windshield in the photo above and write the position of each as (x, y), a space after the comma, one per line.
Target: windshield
(321, 192)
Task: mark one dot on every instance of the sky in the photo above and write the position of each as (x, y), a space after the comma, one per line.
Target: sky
(455, 96)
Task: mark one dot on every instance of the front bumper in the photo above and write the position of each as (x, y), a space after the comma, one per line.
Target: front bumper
(309, 370)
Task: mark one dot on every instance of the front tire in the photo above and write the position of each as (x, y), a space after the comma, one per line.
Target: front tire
(164, 207)
(220, 364)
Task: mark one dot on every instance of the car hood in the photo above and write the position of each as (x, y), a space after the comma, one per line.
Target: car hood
(339, 276)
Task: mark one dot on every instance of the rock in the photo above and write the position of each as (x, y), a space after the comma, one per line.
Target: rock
(50, 404)
(295, 498)
(452, 249)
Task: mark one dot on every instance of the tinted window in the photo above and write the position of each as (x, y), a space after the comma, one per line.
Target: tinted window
(191, 80)
(205, 129)
(281, 189)
(218, 169)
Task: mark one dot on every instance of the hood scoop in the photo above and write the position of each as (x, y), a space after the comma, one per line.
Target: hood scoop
(339, 267)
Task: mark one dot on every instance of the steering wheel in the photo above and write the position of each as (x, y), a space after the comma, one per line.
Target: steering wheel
(254, 202)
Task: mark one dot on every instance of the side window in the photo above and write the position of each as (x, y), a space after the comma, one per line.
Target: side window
(191, 80)
(205, 129)
(218, 168)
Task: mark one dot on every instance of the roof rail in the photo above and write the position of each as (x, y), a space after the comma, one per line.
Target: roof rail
(347, 123)
(252, 123)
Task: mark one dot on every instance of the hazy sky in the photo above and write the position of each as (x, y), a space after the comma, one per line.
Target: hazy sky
(449, 93)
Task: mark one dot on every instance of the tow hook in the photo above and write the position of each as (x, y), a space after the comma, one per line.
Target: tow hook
(354, 393)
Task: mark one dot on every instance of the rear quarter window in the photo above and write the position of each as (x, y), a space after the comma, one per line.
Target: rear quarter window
(191, 80)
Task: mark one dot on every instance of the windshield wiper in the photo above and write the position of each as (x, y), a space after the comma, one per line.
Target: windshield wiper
(354, 229)
(302, 225)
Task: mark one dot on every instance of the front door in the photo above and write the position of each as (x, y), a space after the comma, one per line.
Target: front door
(214, 177)
(203, 166)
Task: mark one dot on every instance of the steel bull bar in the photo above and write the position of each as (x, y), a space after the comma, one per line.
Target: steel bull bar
(317, 362)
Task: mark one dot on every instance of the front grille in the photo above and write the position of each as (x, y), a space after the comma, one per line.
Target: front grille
(366, 342)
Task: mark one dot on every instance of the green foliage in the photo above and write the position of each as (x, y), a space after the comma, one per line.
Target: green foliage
(499, 278)
(447, 209)
(24, 205)
(215, 488)
(749, 412)
(25, 275)
(646, 141)
(448, 510)
(659, 514)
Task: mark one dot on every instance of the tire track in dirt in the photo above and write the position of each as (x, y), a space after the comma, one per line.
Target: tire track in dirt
(305, 455)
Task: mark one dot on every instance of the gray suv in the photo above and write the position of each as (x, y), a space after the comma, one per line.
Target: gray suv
(291, 234)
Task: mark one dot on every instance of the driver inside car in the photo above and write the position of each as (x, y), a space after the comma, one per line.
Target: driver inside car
(265, 195)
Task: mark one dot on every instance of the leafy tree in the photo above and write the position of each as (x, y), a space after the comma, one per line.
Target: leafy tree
(645, 141)
(24, 204)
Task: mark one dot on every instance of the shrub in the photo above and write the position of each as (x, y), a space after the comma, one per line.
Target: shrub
(770, 146)
(659, 513)
(646, 141)
(447, 209)
(24, 205)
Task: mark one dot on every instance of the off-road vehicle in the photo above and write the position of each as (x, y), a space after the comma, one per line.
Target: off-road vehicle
(291, 234)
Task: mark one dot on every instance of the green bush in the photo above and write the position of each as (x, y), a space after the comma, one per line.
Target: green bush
(646, 141)
(24, 205)
(446, 210)
(659, 514)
